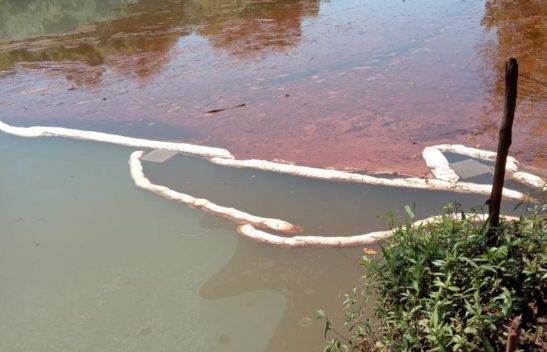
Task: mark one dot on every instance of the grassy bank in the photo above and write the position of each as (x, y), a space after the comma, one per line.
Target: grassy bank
(439, 287)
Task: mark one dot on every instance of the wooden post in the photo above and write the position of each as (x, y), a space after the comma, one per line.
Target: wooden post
(513, 334)
(504, 142)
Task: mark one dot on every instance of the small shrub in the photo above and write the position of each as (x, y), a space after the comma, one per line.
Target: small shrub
(440, 288)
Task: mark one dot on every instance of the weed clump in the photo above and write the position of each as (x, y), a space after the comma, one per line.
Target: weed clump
(439, 287)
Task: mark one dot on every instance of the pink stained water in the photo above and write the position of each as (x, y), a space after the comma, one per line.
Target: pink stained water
(347, 84)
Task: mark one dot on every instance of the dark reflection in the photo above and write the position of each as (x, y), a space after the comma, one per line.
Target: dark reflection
(263, 25)
(520, 31)
(134, 37)
(20, 19)
(308, 278)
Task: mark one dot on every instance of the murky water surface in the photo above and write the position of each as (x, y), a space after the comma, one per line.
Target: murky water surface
(89, 262)
(319, 207)
(345, 83)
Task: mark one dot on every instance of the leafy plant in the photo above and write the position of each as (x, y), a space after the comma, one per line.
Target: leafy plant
(440, 288)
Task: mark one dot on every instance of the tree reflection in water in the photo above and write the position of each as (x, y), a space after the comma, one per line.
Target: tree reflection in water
(521, 32)
(135, 37)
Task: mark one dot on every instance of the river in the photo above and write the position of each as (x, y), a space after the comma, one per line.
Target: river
(89, 262)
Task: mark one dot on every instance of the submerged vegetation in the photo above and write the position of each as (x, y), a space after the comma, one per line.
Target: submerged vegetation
(440, 288)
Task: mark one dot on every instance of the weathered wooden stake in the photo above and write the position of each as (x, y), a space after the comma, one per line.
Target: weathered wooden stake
(506, 130)
(513, 334)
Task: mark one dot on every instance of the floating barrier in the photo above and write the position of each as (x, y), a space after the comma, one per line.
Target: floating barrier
(252, 233)
(344, 176)
(445, 178)
(511, 166)
(238, 216)
(40, 131)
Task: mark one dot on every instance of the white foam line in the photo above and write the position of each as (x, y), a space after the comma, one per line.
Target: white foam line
(251, 232)
(39, 131)
(445, 177)
(344, 176)
(248, 221)
(238, 216)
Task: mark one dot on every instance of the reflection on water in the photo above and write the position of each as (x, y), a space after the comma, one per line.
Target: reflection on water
(520, 31)
(259, 26)
(21, 19)
(134, 37)
(351, 84)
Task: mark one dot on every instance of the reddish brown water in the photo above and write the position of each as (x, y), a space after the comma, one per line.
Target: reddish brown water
(353, 84)
(93, 262)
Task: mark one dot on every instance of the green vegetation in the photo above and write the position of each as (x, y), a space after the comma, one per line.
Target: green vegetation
(440, 288)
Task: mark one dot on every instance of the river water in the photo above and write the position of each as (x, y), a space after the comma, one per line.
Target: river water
(89, 262)
(345, 83)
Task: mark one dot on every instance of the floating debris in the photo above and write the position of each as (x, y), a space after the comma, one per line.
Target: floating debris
(223, 109)
(159, 155)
